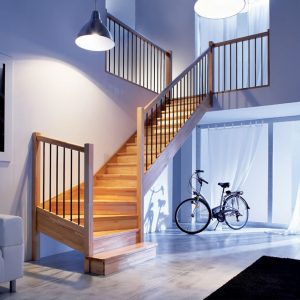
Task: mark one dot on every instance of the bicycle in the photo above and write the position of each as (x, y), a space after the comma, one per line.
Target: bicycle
(194, 215)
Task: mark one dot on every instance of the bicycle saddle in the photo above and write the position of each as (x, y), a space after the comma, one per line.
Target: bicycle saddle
(224, 185)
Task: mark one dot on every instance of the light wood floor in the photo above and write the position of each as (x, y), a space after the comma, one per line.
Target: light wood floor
(187, 267)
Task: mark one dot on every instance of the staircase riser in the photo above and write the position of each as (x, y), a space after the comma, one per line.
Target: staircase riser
(121, 170)
(126, 159)
(111, 192)
(114, 242)
(101, 224)
(131, 149)
(115, 183)
(115, 265)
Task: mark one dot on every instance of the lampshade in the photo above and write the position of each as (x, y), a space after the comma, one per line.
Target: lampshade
(218, 9)
(94, 35)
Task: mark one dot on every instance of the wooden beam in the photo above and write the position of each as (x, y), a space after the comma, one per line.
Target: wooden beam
(36, 179)
(88, 199)
(140, 171)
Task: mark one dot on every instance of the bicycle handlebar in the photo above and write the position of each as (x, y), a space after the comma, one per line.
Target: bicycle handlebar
(200, 179)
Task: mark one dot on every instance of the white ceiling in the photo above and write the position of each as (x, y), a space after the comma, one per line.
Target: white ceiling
(252, 113)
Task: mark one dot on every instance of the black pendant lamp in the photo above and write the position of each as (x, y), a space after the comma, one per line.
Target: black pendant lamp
(94, 36)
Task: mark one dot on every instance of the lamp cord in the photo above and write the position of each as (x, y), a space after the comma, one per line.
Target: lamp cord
(95, 4)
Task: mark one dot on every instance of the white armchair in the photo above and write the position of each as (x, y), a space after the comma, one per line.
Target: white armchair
(11, 249)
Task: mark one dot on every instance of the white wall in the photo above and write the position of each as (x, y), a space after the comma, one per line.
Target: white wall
(124, 10)
(59, 90)
(169, 23)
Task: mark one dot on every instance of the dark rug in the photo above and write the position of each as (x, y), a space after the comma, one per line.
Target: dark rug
(271, 278)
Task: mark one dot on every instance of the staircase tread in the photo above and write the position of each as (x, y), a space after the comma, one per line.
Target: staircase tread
(126, 154)
(100, 234)
(124, 251)
(119, 188)
(122, 164)
(117, 176)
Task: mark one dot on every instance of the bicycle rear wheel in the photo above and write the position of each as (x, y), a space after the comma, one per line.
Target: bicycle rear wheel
(236, 212)
(192, 216)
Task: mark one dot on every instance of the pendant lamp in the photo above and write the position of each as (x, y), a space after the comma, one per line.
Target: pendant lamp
(218, 9)
(94, 36)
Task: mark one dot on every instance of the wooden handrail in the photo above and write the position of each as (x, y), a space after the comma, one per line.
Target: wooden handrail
(153, 102)
(241, 39)
(59, 143)
(142, 37)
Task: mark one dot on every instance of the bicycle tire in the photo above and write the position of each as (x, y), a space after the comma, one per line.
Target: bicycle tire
(192, 223)
(234, 221)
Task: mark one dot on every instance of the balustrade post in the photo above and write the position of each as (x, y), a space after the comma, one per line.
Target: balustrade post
(36, 182)
(210, 71)
(88, 199)
(140, 171)
(168, 67)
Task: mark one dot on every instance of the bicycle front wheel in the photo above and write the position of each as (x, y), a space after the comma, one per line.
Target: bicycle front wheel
(236, 212)
(192, 216)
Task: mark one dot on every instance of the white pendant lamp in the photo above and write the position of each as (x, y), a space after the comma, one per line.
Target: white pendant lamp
(94, 36)
(218, 9)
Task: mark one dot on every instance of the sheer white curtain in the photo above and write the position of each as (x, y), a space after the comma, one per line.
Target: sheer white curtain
(294, 226)
(231, 151)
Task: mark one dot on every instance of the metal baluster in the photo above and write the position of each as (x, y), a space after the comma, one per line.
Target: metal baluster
(156, 130)
(123, 50)
(224, 70)
(147, 121)
(119, 51)
(147, 58)
(71, 185)
(249, 58)
(151, 151)
(236, 66)
(127, 63)
(64, 182)
(219, 70)
(56, 183)
(154, 69)
(261, 61)
(132, 63)
(242, 64)
(151, 88)
(255, 61)
(78, 182)
(44, 160)
(230, 67)
(140, 81)
(50, 175)
(160, 136)
(165, 131)
(115, 48)
(110, 51)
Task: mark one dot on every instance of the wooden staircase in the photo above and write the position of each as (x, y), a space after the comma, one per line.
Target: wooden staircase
(101, 214)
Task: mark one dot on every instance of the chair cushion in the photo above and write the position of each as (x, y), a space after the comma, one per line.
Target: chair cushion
(11, 230)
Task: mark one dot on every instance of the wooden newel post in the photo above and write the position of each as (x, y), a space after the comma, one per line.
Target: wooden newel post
(140, 171)
(88, 198)
(210, 71)
(36, 190)
(168, 67)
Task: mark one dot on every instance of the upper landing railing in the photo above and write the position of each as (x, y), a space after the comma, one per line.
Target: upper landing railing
(137, 59)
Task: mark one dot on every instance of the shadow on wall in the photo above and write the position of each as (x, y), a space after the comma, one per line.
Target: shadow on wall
(155, 218)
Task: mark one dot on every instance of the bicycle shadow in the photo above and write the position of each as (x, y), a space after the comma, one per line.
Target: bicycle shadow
(155, 218)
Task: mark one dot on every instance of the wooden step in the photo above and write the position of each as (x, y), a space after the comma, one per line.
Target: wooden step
(131, 147)
(113, 239)
(122, 168)
(115, 191)
(101, 206)
(110, 262)
(109, 180)
(115, 222)
(126, 157)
